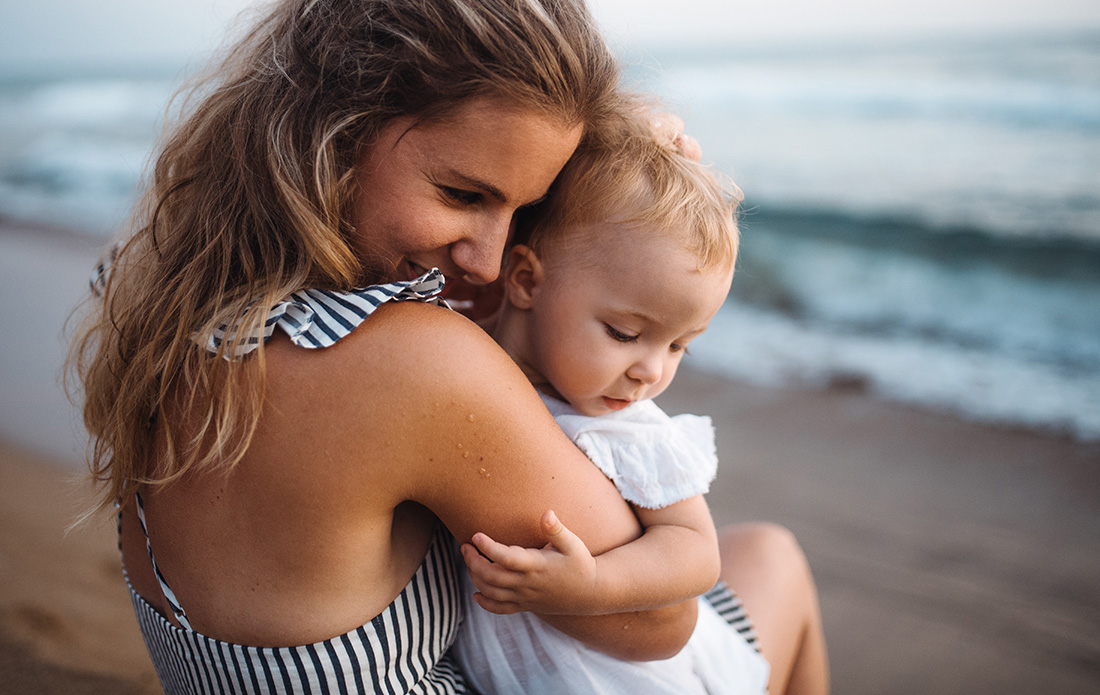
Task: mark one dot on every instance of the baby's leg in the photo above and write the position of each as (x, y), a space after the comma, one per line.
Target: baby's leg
(765, 566)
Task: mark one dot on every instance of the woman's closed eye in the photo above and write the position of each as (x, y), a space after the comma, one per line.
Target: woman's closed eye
(459, 196)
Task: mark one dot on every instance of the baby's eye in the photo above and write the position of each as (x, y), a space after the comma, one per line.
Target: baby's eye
(460, 196)
(619, 335)
(679, 347)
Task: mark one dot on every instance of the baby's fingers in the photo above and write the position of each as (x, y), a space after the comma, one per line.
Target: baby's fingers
(498, 607)
(486, 575)
(561, 538)
(512, 557)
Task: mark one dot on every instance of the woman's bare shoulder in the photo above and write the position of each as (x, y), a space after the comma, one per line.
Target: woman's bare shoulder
(426, 405)
(403, 350)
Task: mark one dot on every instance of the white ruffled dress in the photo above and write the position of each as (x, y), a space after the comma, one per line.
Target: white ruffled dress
(654, 460)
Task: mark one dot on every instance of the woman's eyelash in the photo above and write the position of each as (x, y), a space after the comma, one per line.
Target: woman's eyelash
(619, 335)
(460, 196)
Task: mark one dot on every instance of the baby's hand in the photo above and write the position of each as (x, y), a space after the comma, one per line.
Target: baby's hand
(560, 577)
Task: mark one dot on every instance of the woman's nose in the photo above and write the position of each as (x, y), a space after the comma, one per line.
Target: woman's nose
(481, 253)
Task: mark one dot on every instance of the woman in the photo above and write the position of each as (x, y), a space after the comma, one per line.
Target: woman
(286, 512)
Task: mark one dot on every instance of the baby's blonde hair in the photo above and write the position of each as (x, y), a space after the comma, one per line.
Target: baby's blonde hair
(627, 179)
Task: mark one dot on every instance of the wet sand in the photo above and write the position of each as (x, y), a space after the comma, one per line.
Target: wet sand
(951, 557)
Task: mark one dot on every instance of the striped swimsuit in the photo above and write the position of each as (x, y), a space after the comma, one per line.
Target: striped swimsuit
(404, 649)
(401, 650)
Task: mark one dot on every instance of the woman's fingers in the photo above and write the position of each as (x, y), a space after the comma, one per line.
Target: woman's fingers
(688, 146)
(668, 128)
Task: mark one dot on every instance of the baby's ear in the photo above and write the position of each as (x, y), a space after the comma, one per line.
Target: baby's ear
(522, 276)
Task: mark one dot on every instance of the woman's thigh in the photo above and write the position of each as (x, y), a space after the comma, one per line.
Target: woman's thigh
(766, 567)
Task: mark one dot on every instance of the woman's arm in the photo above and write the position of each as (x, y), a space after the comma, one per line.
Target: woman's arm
(563, 577)
(463, 433)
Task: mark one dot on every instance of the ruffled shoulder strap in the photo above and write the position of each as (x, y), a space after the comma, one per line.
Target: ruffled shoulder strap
(318, 318)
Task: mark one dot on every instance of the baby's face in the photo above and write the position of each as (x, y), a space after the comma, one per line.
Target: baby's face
(611, 321)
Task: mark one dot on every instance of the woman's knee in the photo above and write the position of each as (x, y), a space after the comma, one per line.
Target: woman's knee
(763, 541)
(763, 550)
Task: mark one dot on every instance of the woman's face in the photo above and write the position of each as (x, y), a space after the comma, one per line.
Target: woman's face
(443, 193)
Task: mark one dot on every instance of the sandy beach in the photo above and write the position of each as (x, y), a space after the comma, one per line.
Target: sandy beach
(951, 557)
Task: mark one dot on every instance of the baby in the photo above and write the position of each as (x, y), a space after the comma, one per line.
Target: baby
(614, 274)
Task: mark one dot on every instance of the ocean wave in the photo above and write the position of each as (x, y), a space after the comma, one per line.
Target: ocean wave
(763, 347)
(1017, 102)
(1005, 329)
(1052, 254)
(1049, 84)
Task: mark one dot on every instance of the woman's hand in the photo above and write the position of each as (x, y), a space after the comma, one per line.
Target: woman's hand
(668, 128)
(559, 578)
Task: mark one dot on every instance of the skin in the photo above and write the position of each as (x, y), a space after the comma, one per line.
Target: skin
(444, 194)
(362, 446)
(765, 565)
(602, 324)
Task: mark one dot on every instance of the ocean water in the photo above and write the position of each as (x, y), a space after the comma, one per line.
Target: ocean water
(921, 221)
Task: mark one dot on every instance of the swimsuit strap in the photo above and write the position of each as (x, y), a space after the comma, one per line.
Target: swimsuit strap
(314, 318)
(169, 596)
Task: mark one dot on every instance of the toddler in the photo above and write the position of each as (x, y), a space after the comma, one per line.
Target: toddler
(612, 277)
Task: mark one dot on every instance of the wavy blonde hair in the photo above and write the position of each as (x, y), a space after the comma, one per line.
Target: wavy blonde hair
(250, 198)
(626, 177)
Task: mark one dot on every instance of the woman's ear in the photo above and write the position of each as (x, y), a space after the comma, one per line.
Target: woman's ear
(522, 276)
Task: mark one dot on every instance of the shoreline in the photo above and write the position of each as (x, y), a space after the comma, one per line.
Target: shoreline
(951, 556)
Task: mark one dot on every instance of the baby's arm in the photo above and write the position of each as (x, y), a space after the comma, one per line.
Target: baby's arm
(675, 559)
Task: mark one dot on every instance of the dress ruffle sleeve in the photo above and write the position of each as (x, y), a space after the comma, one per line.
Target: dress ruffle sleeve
(652, 458)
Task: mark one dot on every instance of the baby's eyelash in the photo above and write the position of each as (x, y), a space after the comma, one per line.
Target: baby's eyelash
(619, 335)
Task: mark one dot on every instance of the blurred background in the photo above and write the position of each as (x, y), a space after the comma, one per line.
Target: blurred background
(922, 180)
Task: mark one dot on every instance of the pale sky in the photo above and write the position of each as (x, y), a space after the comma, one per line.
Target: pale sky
(36, 32)
(659, 20)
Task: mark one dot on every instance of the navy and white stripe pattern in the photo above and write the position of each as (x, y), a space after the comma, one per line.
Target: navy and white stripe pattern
(318, 318)
(403, 650)
(728, 605)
